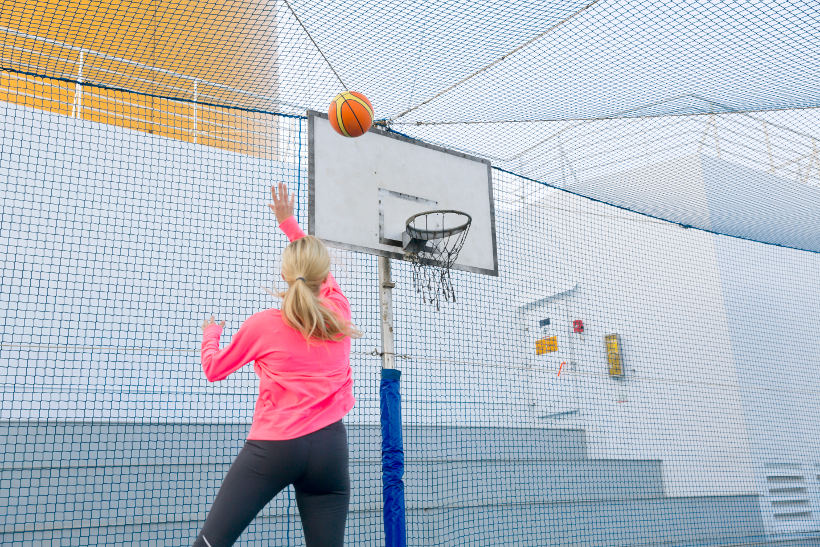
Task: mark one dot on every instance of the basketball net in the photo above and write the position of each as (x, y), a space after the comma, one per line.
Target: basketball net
(433, 247)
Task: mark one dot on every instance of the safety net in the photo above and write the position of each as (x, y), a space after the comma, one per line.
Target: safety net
(642, 371)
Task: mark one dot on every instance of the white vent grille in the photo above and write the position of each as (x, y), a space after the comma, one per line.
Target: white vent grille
(791, 496)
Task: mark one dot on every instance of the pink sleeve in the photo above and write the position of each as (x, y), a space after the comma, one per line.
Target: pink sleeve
(246, 345)
(330, 289)
(291, 228)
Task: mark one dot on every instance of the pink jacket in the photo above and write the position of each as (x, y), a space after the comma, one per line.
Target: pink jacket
(302, 387)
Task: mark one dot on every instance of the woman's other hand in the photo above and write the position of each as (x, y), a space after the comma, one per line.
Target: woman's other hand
(208, 322)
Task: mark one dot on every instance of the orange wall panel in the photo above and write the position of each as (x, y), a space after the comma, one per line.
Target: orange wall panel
(151, 48)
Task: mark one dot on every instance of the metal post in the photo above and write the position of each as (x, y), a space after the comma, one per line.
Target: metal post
(195, 98)
(386, 286)
(78, 90)
(395, 532)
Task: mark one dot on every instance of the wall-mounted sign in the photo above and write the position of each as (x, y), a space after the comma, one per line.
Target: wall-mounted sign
(546, 345)
(613, 355)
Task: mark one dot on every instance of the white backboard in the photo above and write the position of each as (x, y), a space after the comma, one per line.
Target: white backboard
(363, 190)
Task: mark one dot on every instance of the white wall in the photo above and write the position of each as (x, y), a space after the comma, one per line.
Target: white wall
(120, 243)
(703, 321)
(772, 298)
(117, 245)
(658, 287)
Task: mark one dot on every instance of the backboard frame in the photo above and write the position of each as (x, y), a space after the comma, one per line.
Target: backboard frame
(313, 116)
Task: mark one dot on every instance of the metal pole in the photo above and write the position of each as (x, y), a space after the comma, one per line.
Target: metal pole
(78, 89)
(395, 532)
(195, 99)
(386, 286)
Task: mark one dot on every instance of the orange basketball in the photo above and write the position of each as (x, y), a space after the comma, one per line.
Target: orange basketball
(350, 114)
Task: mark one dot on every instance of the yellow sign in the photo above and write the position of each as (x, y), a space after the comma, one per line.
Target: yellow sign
(613, 355)
(546, 345)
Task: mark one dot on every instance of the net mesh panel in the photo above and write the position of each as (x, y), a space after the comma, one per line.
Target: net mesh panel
(656, 177)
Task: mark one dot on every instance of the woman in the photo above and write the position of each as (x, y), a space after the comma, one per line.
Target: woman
(302, 356)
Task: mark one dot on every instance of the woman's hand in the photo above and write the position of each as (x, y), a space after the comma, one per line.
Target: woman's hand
(208, 322)
(282, 204)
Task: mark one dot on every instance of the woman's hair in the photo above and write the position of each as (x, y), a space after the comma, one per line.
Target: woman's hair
(305, 266)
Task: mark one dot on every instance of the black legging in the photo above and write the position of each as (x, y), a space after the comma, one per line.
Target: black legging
(317, 467)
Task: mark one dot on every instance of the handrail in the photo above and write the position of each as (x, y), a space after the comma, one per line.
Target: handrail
(131, 62)
(136, 106)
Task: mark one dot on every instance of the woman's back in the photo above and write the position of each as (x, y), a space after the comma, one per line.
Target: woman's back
(304, 384)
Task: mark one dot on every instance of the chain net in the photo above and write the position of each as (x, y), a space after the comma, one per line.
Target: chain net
(435, 240)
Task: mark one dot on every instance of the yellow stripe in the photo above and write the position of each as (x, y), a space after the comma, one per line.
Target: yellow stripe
(352, 97)
(339, 102)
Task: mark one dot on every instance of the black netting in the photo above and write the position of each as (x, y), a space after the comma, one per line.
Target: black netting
(433, 242)
(642, 371)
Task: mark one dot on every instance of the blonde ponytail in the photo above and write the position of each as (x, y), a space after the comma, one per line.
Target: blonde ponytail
(305, 266)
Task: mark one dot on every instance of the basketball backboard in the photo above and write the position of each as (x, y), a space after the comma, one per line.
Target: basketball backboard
(363, 190)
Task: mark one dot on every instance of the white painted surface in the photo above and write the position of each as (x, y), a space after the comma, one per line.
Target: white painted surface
(350, 175)
(107, 277)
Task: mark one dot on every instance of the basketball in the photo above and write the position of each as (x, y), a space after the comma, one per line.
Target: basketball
(350, 114)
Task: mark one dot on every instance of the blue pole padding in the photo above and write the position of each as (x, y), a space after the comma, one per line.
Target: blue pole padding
(395, 532)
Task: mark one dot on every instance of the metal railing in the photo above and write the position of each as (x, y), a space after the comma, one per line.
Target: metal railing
(64, 80)
(764, 141)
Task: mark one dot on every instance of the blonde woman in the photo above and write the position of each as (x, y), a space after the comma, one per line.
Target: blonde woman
(301, 354)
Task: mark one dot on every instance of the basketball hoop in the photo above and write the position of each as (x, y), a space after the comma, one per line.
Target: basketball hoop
(432, 241)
